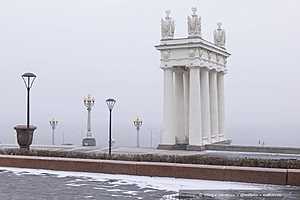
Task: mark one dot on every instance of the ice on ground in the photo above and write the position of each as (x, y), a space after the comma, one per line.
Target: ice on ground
(88, 197)
(75, 185)
(148, 191)
(114, 190)
(158, 183)
(130, 192)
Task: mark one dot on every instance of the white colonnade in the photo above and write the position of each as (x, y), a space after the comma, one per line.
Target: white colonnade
(193, 106)
(193, 100)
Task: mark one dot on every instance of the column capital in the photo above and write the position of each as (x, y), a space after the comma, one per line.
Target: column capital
(167, 68)
(194, 66)
(213, 70)
(178, 69)
(209, 65)
(205, 68)
(222, 72)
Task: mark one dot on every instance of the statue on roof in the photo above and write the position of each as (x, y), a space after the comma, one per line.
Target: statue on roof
(194, 24)
(167, 26)
(219, 36)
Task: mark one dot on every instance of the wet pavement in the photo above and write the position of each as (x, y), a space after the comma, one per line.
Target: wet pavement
(32, 184)
(44, 186)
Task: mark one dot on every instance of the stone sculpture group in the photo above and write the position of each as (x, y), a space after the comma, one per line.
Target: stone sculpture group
(194, 28)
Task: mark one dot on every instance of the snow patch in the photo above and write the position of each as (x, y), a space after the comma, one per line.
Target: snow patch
(157, 183)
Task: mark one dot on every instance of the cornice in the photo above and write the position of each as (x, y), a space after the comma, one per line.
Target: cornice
(187, 43)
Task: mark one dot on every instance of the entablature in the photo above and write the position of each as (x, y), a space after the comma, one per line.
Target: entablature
(192, 52)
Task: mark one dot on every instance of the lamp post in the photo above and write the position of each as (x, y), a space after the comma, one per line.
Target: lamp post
(110, 104)
(28, 79)
(137, 123)
(53, 124)
(25, 132)
(89, 102)
(151, 138)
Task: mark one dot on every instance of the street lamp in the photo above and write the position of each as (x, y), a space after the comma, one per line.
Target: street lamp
(28, 79)
(151, 139)
(137, 123)
(25, 133)
(53, 124)
(110, 104)
(89, 102)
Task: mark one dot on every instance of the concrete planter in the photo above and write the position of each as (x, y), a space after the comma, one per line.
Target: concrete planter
(24, 136)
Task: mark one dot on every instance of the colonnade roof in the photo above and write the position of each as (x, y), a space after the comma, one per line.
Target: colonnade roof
(191, 42)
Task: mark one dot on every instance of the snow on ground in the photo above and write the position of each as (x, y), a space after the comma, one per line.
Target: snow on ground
(159, 183)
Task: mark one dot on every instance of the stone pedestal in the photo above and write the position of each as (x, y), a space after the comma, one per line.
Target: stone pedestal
(173, 147)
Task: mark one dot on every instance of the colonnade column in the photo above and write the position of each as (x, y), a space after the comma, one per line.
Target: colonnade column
(179, 107)
(195, 136)
(213, 95)
(186, 85)
(205, 106)
(220, 80)
(167, 136)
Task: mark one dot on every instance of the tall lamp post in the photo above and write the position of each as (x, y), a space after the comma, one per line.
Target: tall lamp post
(89, 102)
(28, 79)
(25, 132)
(53, 124)
(110, 104)
(137, 123)
(151, 139)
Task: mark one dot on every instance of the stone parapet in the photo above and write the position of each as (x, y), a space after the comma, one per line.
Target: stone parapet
(256, 149)
(185, 157)
(293, 177)
(189, 171)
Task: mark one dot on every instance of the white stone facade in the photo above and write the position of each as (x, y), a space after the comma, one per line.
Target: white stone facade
(193, 100)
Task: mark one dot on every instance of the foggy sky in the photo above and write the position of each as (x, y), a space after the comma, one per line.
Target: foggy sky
(106, 49)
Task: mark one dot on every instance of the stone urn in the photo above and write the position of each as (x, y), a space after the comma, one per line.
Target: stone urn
(24, 136)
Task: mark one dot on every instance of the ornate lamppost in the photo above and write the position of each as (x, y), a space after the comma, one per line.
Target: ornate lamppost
(25, 132)
(137, 123)
(89, 102)
(110, 104)
(53, 124)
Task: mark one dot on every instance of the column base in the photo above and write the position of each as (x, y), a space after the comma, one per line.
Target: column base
(172, 147)
(195, 148)
(89, 142)
(222, 137)
(190, 147)
(205, 140)
(214, 139)
(228, 142)
(165, 146)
